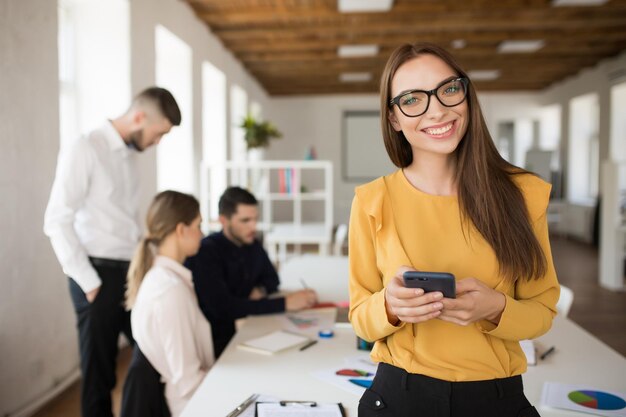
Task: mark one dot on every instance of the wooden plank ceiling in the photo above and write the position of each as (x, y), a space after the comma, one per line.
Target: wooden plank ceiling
(290, 46)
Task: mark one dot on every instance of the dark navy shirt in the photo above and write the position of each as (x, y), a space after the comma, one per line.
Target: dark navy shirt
(224, 275)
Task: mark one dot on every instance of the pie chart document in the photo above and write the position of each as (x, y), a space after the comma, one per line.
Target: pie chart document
(584, 399)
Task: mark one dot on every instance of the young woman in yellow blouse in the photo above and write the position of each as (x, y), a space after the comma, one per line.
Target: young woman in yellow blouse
(453, 206)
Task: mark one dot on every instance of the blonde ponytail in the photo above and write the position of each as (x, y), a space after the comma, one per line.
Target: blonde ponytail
(167, 210)
(139, 266)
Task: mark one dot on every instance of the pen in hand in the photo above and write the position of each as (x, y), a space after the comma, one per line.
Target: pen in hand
(304, 284)
(547, 353)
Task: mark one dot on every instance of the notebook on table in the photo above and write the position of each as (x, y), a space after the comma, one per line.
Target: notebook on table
(274, 342)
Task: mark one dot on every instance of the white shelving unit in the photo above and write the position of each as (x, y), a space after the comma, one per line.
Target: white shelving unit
(613, 227)
(262, 178)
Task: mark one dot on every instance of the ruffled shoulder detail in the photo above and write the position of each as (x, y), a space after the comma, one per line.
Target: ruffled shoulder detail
(371, 198)
(536, 194)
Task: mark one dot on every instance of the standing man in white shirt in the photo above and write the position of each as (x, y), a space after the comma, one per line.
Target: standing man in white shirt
(92, 220)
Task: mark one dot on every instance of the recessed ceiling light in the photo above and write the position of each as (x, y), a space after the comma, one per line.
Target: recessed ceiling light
(353, 6)
(355, 77)
(559, 3)
(350, 51)
(458, 43)
(483, 75)
(520, 46)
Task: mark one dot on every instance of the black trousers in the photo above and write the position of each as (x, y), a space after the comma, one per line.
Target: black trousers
(99, 325)
(397, 393)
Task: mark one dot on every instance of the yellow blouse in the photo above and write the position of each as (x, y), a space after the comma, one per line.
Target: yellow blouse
(393, 224)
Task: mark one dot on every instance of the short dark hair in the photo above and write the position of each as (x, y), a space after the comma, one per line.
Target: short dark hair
(164, 100)
(232, 197)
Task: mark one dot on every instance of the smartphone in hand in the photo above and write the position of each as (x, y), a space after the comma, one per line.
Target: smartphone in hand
(431, 281)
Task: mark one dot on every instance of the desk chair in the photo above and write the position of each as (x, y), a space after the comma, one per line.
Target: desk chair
(327, 275)
(143, 394)
(565, 301)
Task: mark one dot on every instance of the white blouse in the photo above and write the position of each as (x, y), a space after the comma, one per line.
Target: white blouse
(171, 331)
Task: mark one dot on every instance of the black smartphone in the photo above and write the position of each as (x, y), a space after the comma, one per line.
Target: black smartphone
(431, 281)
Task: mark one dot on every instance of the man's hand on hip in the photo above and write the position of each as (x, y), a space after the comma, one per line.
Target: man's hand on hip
(91, 295)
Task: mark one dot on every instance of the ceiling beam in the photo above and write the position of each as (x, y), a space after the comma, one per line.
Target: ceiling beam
(614, 34)
(328, 57)
(418, 12)
(563, 47)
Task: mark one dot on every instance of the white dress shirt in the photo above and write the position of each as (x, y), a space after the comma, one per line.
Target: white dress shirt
(94, 204)
(171, 331)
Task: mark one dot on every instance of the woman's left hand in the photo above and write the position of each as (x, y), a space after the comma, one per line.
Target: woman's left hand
(474, 301)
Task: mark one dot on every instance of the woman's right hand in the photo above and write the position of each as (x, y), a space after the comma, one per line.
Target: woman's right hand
(410, 305)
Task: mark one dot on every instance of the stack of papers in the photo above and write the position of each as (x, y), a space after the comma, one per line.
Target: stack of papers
(295, 409)
(275, 342)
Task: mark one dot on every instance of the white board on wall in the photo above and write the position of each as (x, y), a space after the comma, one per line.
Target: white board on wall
(364, 155)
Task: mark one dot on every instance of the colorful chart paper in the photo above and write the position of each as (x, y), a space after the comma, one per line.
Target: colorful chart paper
(583, 399)
(353, 372)
(365, 383)
(597, 400)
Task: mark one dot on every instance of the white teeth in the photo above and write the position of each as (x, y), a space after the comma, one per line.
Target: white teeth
(439, 131)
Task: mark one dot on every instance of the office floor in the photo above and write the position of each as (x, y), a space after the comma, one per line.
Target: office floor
(599, 311)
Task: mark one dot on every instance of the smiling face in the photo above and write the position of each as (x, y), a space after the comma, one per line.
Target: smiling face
(440, 129)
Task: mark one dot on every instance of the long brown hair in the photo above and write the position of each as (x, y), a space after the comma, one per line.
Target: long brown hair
(488, 197)
(167, 210)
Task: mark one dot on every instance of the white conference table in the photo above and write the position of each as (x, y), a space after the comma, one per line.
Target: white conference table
(579, 358)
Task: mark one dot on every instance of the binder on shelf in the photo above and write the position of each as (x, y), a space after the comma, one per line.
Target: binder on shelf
(289, 180)
(281, 181)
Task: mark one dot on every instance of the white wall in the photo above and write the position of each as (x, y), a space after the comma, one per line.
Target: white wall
(38, 345)
(598, 79)
(317, 121)
(38, 342)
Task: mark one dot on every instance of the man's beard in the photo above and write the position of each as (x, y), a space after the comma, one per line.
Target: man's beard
(237, 238)
(135, 140)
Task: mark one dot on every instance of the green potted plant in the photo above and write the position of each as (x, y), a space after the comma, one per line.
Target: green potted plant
(258, 134)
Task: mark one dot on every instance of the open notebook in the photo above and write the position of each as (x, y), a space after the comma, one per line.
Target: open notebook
(274, 342)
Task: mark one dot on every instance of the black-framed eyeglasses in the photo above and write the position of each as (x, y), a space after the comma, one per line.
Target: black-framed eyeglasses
(414, 103)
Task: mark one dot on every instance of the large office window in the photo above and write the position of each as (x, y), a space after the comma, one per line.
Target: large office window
(67, 76)
(256, 110)
(214, 130)
(550, 140)
(583, 157)
(94, 63)
(238, 110)
(550, 127)
(175, 163)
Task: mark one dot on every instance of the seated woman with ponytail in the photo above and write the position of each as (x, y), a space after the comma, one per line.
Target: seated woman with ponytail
(169, 328)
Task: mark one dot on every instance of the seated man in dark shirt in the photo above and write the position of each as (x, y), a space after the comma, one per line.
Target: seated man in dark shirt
(232, 273)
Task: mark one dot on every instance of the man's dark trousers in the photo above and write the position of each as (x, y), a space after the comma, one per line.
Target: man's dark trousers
(99, 325)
